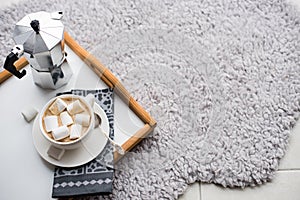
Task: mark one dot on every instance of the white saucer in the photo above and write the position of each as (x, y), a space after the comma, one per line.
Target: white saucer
(89, 149)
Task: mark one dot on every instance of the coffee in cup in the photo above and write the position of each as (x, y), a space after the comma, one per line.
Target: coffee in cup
(66, 120)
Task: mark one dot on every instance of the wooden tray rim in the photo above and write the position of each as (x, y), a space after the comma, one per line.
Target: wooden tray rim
(111, 81)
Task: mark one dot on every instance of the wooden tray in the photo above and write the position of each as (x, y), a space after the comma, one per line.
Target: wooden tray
(111, 81)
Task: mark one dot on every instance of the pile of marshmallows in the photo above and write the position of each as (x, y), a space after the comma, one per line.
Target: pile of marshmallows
(66, 113)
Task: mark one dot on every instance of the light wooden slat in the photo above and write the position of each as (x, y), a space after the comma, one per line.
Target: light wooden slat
(106, 75)
(134, 140)
(87, 58)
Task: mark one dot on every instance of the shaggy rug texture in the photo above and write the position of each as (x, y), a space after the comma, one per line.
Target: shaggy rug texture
(220, 77)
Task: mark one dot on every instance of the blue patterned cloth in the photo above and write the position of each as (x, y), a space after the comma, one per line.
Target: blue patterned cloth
(95, 177)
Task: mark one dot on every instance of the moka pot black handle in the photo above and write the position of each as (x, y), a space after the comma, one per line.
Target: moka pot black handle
(9, 65)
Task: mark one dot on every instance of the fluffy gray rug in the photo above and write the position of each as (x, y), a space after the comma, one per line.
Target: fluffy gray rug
(220, 77)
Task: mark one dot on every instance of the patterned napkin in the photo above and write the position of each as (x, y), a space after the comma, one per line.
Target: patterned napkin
(95, 177)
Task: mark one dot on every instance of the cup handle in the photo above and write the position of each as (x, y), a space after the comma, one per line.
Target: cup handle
(55, 152)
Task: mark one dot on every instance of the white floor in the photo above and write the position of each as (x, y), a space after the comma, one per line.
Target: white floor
(286, 184)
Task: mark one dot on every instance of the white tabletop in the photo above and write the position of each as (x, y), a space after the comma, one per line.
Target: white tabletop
(24, 174)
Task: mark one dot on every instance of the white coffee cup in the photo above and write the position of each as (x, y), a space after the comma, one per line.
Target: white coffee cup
(57, 148)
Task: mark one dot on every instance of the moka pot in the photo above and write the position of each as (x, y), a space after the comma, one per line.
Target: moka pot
(40, 38)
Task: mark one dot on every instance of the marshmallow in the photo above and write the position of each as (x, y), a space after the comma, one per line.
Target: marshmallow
(29, 113)
(55, 152)
(90, 98)
(58, 106)
(60, 132)
(75, 107)
(83, 119)
(51, 123)
(75, 131)
(65, 118)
